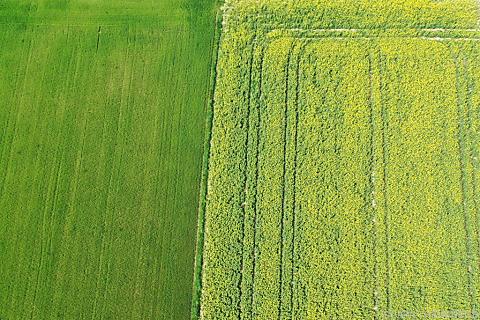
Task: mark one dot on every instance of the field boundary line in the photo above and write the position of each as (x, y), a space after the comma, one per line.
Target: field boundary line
(203, 192)
(463, 182)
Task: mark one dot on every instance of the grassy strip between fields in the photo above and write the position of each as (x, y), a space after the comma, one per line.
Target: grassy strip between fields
(197, 285)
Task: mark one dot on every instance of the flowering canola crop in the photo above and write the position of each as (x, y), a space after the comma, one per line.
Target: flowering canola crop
(344, 167)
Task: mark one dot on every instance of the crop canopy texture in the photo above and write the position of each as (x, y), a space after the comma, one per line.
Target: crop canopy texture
(343, 168)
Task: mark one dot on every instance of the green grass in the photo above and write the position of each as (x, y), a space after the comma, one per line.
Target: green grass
(102, 117)
(343, 166)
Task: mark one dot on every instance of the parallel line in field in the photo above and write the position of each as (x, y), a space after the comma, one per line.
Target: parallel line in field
(302, 45)
(74, 57)
(478, 10)
(17, 112)
(20, 96)
(54, 174)
(282, 236)
(141, 228)
(4, 128)
(385, 181)
(346, 37)
(427, 34)
(139, 69)
(104, 221)
(290, 111)
(161, 192)
(43, 232)
(275, 28)
(95, 22)
(244, 182)
(39, 179)
(126, 81)
(70, 213)
(473, 183)
(130, 103)
(463, 182)
(257, 166)
(8, 145)
(44, 207)
(473, 153)
(177, 186)
(398, 37)
(58, 275)
(294, 186)
(372, 182)
(157, 185)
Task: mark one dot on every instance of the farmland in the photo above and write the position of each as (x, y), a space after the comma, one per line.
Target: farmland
(102, 117)
(344, 162)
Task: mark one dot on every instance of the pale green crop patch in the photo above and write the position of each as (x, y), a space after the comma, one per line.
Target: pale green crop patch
(344, 162)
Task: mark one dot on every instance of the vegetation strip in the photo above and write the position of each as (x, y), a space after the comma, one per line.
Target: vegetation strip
(197, 284)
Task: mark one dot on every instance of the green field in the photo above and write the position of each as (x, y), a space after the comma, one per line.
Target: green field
(344, 166)
(103, 107)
